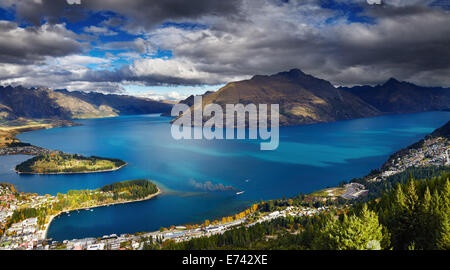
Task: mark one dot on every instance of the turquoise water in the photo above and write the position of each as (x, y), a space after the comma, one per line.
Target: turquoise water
(309, 157)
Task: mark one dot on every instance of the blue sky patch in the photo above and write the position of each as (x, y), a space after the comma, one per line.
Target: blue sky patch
(349, 11)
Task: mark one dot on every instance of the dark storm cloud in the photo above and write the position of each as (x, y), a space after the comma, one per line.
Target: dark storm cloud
(411, 43)
(49, 10)
(147, 13)
(32, 44)
(406, 44)
(408, 40)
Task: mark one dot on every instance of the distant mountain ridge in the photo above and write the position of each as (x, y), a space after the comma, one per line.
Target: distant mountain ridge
(305, 99)
(41, 103)
(402, 97)
(121, 104)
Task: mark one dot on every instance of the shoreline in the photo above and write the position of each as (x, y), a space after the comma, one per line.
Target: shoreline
(8, 135)
(47, 226)
(11, 131)
(84, 172)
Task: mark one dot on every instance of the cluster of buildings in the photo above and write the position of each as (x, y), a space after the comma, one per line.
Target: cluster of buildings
(7, 205)
(294, 211)
(433, 152)
(24, 150)
(354, 190)
(136, 241)
(23, 235)
(107, 242)
(26, 234)
(305, 211)
(31, 234)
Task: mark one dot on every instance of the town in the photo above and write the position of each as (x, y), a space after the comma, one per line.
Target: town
(432, 152)
(24, 149)
(25, 234)
(31, 233)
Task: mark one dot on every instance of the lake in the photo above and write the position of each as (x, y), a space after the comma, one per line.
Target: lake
(309, 158)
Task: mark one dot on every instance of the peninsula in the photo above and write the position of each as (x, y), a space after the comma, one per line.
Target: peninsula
(62, 163)
(27, 212)
(10, 145)
(115, 193)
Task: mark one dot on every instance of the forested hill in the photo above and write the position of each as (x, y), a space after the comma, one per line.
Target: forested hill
(131, 189)
(443, 131)
(118, 192)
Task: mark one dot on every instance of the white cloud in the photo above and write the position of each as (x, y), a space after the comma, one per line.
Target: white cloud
(172, 96)
(166, 68)
(408, 40)
(72, 2)
(99, 31)
(80, 60)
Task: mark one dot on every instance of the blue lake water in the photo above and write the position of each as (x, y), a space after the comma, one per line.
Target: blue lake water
(309, 158)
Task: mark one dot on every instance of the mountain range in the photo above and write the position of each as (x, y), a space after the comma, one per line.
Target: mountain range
(305, 99)
(41, 103)
(402, 97)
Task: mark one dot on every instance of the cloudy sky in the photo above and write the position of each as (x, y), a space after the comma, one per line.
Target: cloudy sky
(172, 48)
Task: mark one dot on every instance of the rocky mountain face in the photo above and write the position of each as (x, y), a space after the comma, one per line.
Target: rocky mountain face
(31, 103)
(6, 113)
(121, 104)
(402, 97)
(21, 102)
(303, 99)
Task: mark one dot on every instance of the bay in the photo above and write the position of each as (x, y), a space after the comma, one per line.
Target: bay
(309, 158)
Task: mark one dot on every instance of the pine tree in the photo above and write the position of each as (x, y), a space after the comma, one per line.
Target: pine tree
(411, 197)
(357, 232)
(426, 204)
(446, 194)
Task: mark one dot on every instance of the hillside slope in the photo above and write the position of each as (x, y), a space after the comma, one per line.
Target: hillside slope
(303, 99)
(122, 104)
(41, 103)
